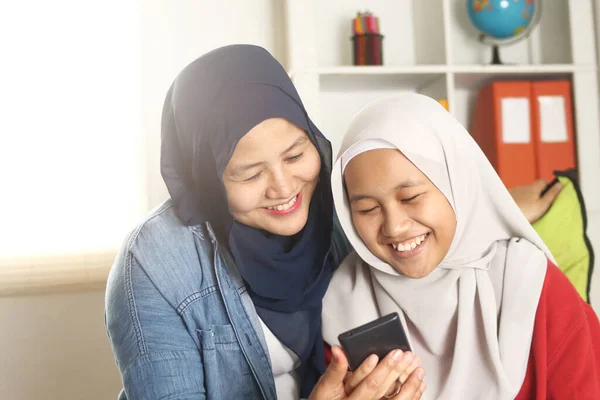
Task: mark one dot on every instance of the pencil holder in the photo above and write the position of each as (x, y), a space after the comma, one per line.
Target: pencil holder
(368, 49)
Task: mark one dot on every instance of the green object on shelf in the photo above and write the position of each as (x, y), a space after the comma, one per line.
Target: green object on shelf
(563, 229)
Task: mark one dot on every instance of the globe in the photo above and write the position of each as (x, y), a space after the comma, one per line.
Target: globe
(503, 22)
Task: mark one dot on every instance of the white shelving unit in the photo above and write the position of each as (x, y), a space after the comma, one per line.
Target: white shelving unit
(430, 47)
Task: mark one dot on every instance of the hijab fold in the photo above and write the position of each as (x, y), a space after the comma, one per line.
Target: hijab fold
(210, 106)
(471, 319)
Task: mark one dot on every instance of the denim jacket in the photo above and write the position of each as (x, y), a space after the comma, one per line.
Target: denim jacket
(179, 318)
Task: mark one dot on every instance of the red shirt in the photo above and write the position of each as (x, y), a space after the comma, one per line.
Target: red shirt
(564, 362)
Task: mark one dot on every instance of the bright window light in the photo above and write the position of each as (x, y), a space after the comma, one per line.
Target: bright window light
(71, 148)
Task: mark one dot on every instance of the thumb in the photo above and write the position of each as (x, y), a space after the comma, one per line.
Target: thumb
(552, 193)
(336, 372)
(540, 185)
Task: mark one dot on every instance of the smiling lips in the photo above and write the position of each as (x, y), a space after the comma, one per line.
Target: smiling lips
(287, 208)
(410, 244)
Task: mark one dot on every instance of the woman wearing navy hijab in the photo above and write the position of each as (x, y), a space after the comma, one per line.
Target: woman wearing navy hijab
(218, 292)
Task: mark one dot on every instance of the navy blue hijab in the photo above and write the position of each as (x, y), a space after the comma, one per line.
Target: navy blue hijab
(211, 105)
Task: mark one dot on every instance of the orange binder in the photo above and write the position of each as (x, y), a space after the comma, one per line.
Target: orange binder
(502, 127)
(552, 120)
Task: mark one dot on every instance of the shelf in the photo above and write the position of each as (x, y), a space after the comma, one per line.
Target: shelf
(407, 81)
(380, 70)
(521, 69)
(441, 69)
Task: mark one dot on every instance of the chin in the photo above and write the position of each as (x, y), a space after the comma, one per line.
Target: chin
(289, 228)
(288, 231)
(418, 275)
(414, 273)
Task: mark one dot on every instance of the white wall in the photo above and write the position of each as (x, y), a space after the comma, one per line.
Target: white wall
(53, 347)
(174, 33)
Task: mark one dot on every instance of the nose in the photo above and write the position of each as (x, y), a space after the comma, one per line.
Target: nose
(281, 185)
(396, 222)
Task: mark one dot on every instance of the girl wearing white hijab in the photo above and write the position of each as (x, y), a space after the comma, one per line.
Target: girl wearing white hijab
(438, 239)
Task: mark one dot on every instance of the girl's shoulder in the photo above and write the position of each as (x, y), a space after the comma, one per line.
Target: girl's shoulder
(561, 304)
(566, 343)
(352, 274)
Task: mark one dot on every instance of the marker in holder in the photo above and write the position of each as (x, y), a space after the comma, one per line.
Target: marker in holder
(368, 49)
(367, 39)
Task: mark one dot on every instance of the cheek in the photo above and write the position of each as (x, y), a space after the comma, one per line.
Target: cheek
(450, 228)
(442, 221)
(243, 199)
(310, 168)
(367, 229)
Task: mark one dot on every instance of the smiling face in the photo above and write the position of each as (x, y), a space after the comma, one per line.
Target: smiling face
(400, 215)
(271, 177)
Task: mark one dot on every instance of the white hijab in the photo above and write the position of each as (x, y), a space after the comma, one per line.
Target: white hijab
(470, 320)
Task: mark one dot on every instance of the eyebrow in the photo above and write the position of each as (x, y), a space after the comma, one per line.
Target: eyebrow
(404, 185)
(238, 170)
(298, 142)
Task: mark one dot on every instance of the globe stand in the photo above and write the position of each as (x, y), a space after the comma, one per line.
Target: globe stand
(496, 56)
(523, 34)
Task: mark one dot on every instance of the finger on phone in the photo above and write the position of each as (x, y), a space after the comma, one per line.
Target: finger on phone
(373, 385)
(420, 392)
(356, 376)
(414, 386)
(407, 364)
(336, 372)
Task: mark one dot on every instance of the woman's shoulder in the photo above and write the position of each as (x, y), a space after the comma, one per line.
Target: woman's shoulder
(162, 250)
(161, 232)
(160, 224)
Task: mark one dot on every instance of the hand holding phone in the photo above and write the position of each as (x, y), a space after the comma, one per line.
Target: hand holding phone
(387, 379)
(376, 337)
(399, 374)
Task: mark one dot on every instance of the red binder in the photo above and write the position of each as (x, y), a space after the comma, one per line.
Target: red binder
(502, 127)
(552, 119)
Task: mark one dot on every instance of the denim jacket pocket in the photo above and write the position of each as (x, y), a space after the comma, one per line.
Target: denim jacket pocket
(226, 370)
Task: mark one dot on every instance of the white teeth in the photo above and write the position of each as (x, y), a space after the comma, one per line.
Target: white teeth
(283, 207)
(409, 245)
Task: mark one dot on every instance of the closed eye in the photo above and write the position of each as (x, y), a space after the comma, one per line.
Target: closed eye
(411, 198)
(370, 210)
(294, 158)
(253, 178)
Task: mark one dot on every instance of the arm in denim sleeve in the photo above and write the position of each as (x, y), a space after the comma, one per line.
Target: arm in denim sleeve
(156, 355)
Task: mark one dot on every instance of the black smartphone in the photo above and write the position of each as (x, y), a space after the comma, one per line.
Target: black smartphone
(376, 337)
